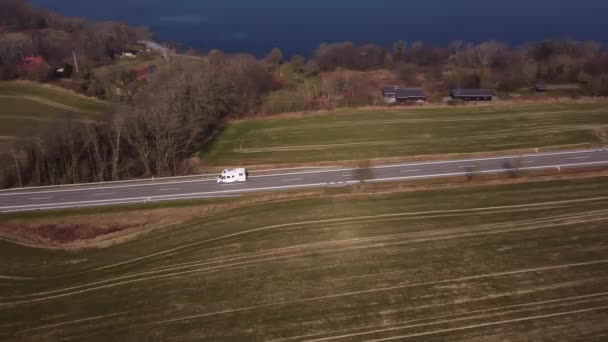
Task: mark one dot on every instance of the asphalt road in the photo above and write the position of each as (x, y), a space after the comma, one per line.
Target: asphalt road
(165, 189)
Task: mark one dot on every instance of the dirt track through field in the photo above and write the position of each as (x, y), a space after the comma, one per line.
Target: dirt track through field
(45, 102)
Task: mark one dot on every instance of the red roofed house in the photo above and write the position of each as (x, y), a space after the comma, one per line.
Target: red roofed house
(33, 62)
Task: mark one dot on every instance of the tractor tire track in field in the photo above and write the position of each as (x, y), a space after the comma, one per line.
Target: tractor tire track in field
(45, 102)
(355, 219)
(358, 219)
(131, 279)
(495, 323)
(505, 310)
(382, 289)
(430, 120)
(380, 238)
(88, 319)
(345, 333)
(471, 137)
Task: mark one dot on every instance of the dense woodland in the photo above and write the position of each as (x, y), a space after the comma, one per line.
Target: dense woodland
(158, 128)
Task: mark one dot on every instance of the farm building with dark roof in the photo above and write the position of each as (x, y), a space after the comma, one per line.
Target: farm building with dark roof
(473, 94)
(398, 94)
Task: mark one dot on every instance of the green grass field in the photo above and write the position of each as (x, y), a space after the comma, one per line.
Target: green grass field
(28, 109)
(364, 134)
(487, 263)
(51, 94)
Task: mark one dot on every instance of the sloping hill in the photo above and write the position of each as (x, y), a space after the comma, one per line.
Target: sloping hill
(27, 109)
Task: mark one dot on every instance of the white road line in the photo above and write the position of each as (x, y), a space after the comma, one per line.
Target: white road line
(467, 166)
(578, 158)
(18, 190)
(39, 198)
(435, 163)
(12, 192)
(221, 193)
(490, 171)
(293, 180)
(226, 192)
(105, 194)
(165, 197)
(404, 171)
(299, 168)
(169, 189)
(133, 201)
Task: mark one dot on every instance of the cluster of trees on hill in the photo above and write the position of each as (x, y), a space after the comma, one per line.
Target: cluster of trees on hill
(153, 135)
(346, 72)
(488, 64)
(27, 30)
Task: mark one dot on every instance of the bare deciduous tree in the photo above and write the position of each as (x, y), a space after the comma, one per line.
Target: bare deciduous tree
(485, 55)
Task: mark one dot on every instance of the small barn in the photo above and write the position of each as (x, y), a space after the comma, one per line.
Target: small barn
(399, 95)
(473, 94)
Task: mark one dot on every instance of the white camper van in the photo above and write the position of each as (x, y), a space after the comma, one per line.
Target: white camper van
(233, 176)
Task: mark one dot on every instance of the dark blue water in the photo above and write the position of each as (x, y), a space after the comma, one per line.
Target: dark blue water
(298, 26)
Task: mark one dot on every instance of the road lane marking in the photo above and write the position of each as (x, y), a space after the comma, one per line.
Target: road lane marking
(15, 193)
(490, 171)
(578, 158)
(293, 180)
(12, 192)
(39, 198)
(169, 189)
(208, 194)
(105, 194)
(404, 171)
(439, 162)
(222, 192)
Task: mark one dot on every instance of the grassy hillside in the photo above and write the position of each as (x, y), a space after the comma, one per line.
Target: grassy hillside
(27, 109)
(510, 262)
(51, 94)
(363, 134)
